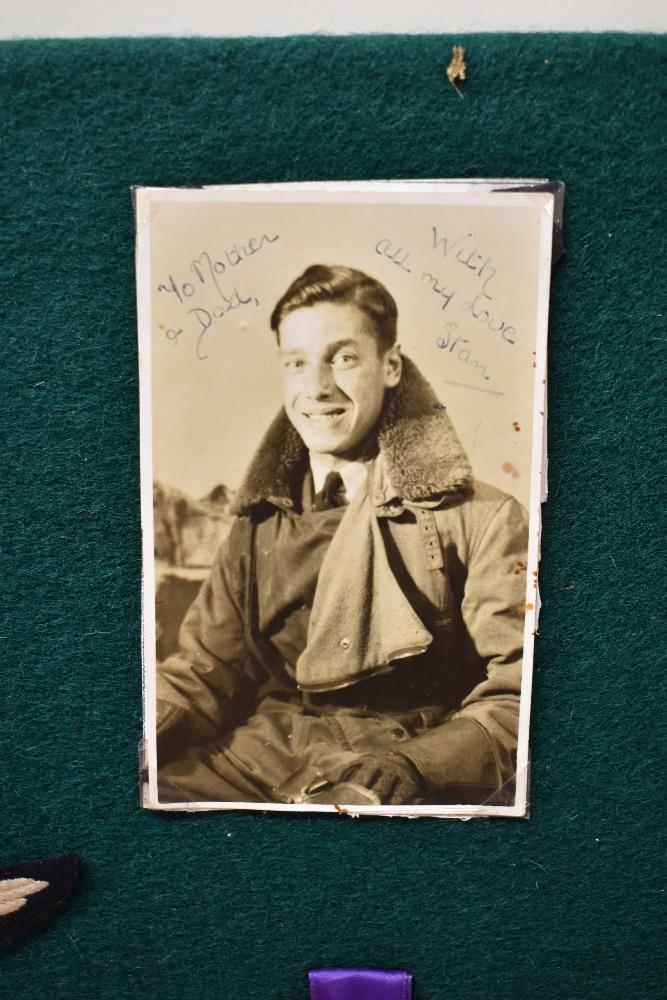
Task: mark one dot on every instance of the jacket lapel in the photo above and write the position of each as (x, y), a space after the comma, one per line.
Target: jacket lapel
(360, 621)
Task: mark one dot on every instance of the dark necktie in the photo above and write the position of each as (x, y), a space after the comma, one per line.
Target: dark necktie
(332, 493)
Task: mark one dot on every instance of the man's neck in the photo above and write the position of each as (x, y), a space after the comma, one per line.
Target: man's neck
(332, 463)
(352, 473)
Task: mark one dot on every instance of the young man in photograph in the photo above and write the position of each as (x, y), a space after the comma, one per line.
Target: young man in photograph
(360, 634)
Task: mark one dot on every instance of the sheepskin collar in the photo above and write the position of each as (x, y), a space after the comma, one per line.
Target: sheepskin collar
(422, 457)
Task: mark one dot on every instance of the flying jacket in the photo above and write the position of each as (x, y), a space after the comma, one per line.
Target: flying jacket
(425, 577)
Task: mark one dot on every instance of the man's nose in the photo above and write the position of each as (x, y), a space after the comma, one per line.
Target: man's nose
(320, 381)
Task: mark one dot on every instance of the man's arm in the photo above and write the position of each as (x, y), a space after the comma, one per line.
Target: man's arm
(208, 686)
(473, 755)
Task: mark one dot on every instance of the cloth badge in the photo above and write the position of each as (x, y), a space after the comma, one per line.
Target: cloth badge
(31, 892)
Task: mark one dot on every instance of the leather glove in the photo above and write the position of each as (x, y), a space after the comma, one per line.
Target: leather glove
(393, 778)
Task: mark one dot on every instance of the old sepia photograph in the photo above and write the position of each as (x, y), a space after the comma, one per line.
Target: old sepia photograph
(343, 426)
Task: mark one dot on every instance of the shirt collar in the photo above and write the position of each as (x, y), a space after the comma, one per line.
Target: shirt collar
(353, 475)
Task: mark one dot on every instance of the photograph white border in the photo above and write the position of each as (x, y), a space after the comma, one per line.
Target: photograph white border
(457, 191)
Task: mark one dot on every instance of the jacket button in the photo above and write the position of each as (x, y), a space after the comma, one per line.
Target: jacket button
(345, 643)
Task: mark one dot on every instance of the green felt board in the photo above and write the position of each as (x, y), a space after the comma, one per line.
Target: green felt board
(242, 905)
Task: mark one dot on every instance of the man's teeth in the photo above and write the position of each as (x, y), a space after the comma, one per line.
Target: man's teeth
(325, 417)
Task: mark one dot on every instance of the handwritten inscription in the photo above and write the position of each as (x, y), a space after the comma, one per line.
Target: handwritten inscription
(207, 276)
(397, 255)
(455, 346)
(464, 279)
(438, 287)
(482, 267)
(205, 317)
(470, 259)
(476, 308)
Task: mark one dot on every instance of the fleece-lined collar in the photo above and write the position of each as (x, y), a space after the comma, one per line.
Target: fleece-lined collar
(422, 458)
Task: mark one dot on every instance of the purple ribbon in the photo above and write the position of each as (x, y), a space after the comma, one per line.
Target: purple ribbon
(359, 984)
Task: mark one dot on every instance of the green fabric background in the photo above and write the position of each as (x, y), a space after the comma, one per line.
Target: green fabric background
(242, 905)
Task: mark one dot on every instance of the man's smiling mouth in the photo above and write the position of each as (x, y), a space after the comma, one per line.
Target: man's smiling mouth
(324, 416)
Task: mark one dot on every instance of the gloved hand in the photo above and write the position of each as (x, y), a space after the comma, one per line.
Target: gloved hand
(393, 778)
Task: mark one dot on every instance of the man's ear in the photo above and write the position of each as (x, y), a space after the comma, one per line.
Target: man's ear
(393, 367)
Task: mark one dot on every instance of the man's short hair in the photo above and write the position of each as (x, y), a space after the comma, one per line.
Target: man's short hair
(322, 283)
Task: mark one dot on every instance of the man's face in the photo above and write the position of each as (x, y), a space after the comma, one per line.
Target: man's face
(334, 378)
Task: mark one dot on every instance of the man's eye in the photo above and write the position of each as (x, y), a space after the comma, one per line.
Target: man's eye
(342, 361)
(292, 364)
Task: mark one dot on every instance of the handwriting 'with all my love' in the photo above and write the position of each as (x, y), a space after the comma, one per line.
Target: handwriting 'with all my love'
(452, 260)
(481, 266)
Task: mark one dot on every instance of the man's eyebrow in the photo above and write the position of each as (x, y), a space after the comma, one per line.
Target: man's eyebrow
(347, 342)
(331, 348)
